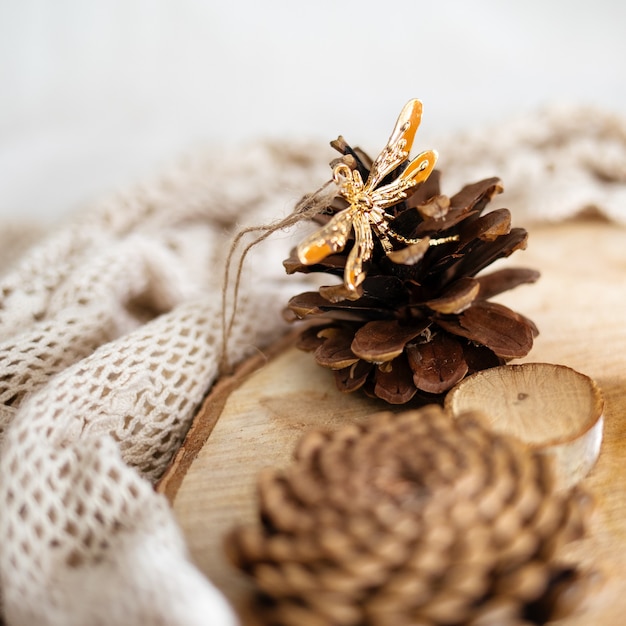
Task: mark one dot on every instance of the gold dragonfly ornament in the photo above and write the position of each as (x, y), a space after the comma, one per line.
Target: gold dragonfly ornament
(368, 203)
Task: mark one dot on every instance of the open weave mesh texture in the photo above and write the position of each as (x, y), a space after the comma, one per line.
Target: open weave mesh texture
(555, 162)
(110, 335)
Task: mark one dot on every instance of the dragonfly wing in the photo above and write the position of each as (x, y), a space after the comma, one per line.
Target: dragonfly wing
(360, 253)
(418, 170)
(399, 145)
(329, 239)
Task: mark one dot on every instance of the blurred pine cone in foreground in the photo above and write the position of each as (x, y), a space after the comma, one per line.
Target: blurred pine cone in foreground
(421, 320)
(413, 519)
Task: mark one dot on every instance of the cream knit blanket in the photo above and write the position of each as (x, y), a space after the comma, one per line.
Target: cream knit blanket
(110, 335)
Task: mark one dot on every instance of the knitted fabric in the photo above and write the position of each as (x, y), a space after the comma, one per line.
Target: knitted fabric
(554, 163)
(110, 336)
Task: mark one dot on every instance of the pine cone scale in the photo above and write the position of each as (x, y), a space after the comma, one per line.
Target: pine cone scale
(335, 352)
(477, 195)
(505, 279)
(488, 227)
(351, 378)
(456, 297)
(310, 339)
(508, 334)
(438, 364)
(444, 224)
(479, 257)
(395, 385)
(384, 340)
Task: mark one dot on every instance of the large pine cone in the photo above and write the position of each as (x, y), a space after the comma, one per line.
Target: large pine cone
(412, 519)
(419, 328)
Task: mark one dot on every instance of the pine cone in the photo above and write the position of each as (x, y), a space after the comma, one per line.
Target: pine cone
(412, 519)
(420, 320)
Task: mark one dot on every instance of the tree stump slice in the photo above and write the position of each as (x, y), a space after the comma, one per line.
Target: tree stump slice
(579, 304)
(552, 408)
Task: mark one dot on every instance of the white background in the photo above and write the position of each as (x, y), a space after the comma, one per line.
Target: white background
(96, 94)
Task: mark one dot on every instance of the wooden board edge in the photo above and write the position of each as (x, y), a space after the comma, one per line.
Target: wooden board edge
(209, 413)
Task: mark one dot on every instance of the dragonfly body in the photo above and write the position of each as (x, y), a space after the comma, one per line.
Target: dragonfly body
(368, 201)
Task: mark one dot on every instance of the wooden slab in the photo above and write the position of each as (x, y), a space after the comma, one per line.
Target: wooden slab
(579, 305)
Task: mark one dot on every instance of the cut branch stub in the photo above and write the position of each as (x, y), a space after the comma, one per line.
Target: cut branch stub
(552, 408)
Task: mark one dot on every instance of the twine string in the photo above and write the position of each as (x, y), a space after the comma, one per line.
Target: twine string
(310, 205)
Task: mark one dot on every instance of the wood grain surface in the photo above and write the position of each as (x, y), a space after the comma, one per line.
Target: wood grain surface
(254, 419)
